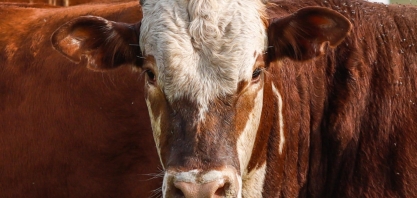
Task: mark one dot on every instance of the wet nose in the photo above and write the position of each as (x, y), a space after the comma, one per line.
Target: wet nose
(202, 184)
(214, 189)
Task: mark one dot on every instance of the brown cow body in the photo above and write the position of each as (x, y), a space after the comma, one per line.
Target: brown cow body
(324, 108)
(65, 132)
(351, 114)
(336, 103)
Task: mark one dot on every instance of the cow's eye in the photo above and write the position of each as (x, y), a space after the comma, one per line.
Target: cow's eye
(151, 76)
(256, 74)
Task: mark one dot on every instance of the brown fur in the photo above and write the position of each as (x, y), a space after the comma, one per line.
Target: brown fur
(350, 114)
(65, 131)
(349, 105)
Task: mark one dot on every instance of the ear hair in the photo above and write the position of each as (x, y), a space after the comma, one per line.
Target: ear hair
(106, 44)
(304, 34)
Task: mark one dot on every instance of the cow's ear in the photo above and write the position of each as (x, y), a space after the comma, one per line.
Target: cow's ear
(303, 35)
(106, 44)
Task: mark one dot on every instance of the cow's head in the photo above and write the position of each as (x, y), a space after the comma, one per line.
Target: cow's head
(206, 71)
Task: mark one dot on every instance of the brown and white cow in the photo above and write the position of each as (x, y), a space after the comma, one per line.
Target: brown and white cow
(303, 98)
(64, 131)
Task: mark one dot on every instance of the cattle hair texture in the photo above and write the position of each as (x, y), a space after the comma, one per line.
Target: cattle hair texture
(66, 131)
(350, 114)
(219, 39)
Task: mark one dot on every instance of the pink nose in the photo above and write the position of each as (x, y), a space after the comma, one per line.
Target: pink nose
(221, 183)
(214, 189)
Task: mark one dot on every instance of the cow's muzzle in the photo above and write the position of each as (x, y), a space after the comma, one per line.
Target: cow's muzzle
(223, 183)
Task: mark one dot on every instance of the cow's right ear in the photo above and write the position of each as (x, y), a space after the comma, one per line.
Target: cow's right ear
(106, 44)
(303, 35)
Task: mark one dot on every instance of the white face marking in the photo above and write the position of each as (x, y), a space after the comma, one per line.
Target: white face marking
(247, 138)
(193, 176)
(253, 182)
(239, 180)
(156, 128)
(165, 185)
(202, 48)
(190, 176)
(281, 118)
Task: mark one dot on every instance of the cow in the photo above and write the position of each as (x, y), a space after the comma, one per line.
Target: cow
(65, 132)
(248, 98)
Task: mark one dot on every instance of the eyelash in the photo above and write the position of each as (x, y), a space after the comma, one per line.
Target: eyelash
(151, 76)
(256, 74)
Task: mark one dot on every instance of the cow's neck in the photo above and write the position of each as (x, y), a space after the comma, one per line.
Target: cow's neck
(296, 97)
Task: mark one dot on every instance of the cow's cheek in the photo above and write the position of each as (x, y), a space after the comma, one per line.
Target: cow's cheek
(249, 110)
(156, 104)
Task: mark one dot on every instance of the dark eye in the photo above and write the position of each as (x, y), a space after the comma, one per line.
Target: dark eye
(256, 74)
(151, 76)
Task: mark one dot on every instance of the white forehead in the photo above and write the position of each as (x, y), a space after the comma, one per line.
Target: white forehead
(202, 48)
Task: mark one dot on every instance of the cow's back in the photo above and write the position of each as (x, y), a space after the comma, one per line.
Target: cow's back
(67, 132)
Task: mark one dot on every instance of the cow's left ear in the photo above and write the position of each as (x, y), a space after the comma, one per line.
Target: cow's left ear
(106, 44)
(303, 35)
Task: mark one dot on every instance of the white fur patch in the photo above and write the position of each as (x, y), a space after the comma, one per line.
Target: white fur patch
(281, 118)
(165, 185)
(247, 138)
(253, 182)
(202, 48)
(156, 128)
(190, 176)
(195, 176)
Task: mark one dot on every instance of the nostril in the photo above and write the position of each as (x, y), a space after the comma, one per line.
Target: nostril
(214, 189)
(220, 192)
(222, 189)
(178, 193)
(197, 184)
